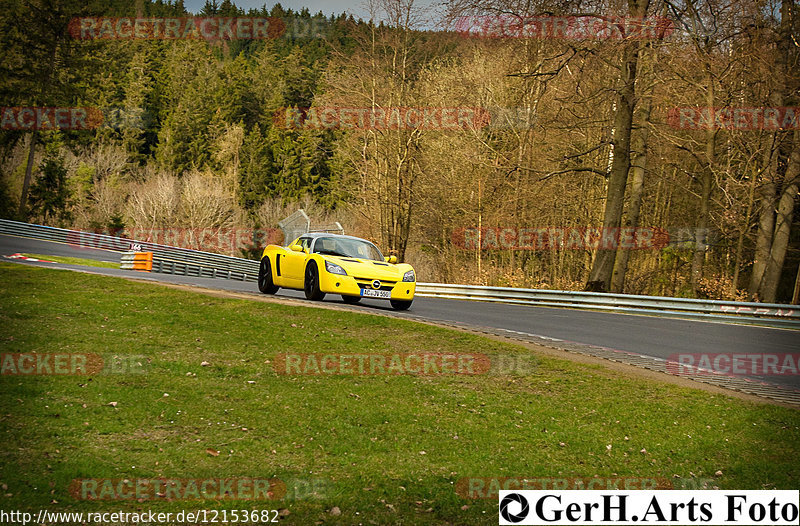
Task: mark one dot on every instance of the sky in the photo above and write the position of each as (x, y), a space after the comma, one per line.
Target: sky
(358, 8)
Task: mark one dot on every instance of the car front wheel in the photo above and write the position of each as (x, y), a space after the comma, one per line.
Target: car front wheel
(311, 283)
(400, 304)
(265, 283)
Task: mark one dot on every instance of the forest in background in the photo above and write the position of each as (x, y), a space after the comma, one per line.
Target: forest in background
(591, 143)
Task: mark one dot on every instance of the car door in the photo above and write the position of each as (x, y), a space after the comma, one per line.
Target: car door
(293, 264)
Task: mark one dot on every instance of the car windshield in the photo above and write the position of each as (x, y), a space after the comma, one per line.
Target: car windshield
(347, 247)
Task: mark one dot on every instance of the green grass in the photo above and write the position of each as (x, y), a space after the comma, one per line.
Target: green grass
(365, 436)
(74, 261)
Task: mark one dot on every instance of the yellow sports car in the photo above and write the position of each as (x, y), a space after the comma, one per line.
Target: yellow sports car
(322, 264)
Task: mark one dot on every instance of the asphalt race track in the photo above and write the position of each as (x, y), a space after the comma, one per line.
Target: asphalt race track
(643, 335)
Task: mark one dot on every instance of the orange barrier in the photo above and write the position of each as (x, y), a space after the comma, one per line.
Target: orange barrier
(137, 261)
(143, 261)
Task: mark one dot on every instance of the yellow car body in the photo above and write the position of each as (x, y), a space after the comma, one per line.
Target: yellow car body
(322, 263)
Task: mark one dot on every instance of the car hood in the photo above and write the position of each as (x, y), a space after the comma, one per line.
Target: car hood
(367, 269)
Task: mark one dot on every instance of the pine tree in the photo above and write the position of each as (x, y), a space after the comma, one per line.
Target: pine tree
(49, 193)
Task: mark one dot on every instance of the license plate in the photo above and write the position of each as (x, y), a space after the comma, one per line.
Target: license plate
(371, 293)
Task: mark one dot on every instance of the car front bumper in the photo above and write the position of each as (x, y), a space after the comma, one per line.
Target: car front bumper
(350, 286)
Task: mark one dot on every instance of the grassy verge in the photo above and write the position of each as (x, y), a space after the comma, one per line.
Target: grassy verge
(389, 449)
(74, 261)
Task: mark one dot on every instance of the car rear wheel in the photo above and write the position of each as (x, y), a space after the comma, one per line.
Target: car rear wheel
(311, 283)
(400, 304)
(265, 283)
(351, 300)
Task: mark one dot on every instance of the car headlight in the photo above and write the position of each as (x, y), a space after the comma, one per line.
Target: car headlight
(409, 276)
(333, 268)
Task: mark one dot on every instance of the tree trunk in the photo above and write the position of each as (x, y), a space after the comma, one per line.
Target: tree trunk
(707, 178)
(737, 265)
(783, 225)
(26, 183)
(701, 229)
(773, 232)
(766, 223)
(603, 268)
(638, 169)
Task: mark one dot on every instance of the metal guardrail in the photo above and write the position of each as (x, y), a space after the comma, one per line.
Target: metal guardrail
(172, 260)
(768, 314)
(166, 259)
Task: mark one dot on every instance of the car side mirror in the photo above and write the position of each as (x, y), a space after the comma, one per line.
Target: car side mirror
(391, 259)
(296, 248)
